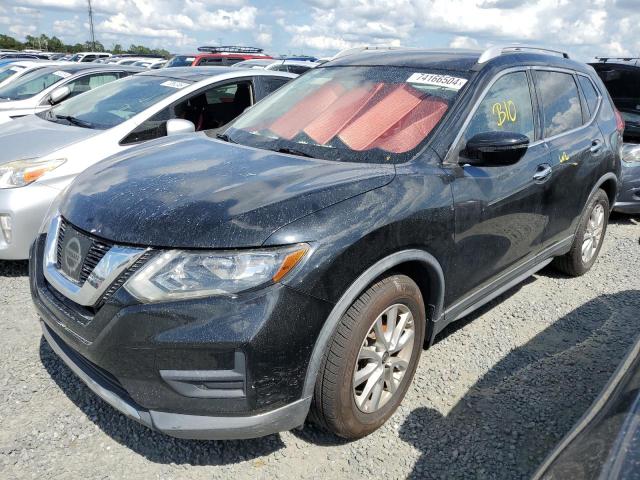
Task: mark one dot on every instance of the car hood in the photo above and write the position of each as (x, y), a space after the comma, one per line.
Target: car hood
(33, 137)
(196, 192)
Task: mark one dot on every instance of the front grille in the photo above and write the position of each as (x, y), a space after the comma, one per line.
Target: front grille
(113, 288)
(96, 252)
(61, 229)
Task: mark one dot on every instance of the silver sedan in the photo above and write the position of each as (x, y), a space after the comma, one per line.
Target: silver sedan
(41, 154)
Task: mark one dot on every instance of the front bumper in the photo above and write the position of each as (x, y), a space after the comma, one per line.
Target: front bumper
(26, 207)
(165, 365)
(179, 425)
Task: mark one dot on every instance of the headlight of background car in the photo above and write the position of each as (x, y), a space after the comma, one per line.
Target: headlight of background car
(24, 172)
(177, 274)
(631, 152)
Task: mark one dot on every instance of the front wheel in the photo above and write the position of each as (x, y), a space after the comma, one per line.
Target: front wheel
(589, 237)
(371, 359)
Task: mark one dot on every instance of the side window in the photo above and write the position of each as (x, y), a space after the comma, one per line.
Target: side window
(561, 106)
(505, 108)
(270, 84)
(89, 82)
(88, 58)
(590, 94)
(208, 109)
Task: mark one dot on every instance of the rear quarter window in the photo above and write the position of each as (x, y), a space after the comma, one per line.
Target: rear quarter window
(561, 106)
(590, 94)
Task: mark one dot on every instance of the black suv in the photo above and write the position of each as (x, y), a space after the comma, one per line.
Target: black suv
(297, 264)
(621, 76)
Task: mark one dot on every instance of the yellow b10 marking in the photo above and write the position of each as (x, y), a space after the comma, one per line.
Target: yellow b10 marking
(505, 111)
(564, 157)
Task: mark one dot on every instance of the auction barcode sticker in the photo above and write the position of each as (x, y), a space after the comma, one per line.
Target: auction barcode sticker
(445, 81)
(174, 84)
(61, 74)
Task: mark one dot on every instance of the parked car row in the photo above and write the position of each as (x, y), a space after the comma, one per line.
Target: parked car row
(232, 252)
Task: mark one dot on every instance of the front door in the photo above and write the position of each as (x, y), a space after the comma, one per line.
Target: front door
(499, 220)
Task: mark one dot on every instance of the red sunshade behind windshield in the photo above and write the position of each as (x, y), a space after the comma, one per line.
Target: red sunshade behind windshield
(330, 122)
(367, 128)
(291, 123)
(406, 134)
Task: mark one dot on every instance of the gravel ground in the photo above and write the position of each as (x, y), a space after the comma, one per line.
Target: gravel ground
(490, 399)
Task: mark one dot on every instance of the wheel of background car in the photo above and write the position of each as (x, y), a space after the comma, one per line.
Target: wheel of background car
(371, 359)
(589, 237)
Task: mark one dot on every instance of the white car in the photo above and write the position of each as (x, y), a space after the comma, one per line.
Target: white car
(85, 57)
(292, 66)
(38, 90)
(41, 154)
(12, 71)
(150, 63)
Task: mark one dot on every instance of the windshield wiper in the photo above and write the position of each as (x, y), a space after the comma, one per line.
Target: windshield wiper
(75, 121)
(293, 151)
(224, 137)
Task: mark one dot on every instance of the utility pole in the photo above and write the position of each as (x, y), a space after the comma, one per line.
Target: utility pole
(93, 34)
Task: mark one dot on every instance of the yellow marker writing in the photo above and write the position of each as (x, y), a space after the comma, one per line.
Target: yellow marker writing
(505, 111)
(564, 157)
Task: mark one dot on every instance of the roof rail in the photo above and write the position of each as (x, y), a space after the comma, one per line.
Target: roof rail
(496, 51)
(626, 59)
(230, 49)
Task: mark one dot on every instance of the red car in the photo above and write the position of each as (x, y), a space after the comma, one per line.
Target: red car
(224, 56)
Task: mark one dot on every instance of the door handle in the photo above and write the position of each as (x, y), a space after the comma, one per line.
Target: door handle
(596, 146)
(543, 172)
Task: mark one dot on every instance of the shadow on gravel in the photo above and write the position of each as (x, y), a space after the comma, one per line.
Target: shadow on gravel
(623, 219)
(14, 268)
(154, 446)
(513, 416)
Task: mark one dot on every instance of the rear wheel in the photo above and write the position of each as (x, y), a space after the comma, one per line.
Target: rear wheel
(371, 359)
(589, 237)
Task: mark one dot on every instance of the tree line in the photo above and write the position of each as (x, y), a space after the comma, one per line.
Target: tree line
(54, 44)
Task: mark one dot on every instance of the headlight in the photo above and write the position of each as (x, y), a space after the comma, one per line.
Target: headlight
(631, 152)
(177, 274)
(24, 172)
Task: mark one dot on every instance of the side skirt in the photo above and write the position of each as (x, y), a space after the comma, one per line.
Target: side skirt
(497, 287)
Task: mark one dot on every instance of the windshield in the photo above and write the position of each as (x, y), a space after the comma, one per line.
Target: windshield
(31, 84)
(180, 61)
(358, 114)
(76, 58)
(623, 87)
(110, 105)
(9, 71)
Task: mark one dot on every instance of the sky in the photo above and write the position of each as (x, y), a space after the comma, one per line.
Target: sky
(584, 28)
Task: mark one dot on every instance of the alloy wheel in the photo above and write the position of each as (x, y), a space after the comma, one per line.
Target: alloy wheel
(593, 233)
(384, 358)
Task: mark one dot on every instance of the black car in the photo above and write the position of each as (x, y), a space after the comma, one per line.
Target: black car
(297, 264)
(605, 442)
(621, 76)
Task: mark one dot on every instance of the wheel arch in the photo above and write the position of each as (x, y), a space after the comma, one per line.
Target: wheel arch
(419, 265)
(608, 183)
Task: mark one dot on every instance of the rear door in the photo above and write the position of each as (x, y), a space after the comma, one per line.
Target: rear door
(499, 221)
(576, 148)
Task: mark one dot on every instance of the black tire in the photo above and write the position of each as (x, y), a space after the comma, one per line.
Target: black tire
(572, 263)
(334, 406)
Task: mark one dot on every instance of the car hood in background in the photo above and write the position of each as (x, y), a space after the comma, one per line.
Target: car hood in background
(195, 192)
(32, 137)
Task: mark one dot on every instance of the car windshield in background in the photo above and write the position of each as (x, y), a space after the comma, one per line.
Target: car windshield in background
(32, 84)
(355, 114)
(9, 71)
(110, 105)
(623, 87)
(180, 61)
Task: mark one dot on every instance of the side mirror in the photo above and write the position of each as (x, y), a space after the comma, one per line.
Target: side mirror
(495, 148)
(176, 126)
(59, 94)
